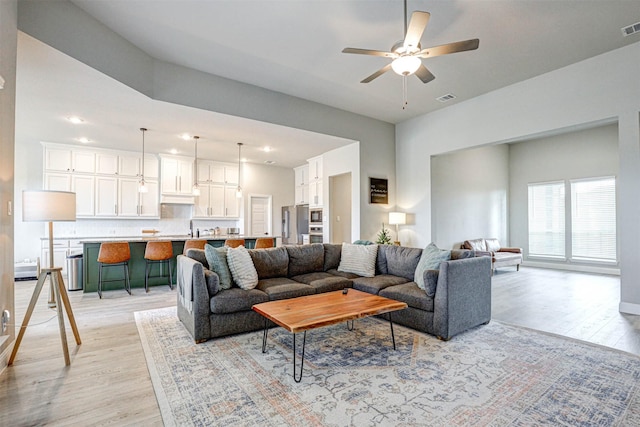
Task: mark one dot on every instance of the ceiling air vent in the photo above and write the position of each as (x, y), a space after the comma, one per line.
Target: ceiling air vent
(631, 29)
(445, 98)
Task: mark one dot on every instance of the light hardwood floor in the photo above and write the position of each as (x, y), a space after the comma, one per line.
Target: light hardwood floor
(108, 382)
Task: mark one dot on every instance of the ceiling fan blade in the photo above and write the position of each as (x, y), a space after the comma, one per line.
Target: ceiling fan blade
(446, 49)
(424, 74)
(377, 74)
(369, 52)
(418, 23)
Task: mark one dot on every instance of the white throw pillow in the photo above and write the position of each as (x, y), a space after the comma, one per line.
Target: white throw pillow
(242, 269)
(358, 259)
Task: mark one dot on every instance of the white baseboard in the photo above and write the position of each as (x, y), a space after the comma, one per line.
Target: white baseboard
(629, 308)
(573, 267)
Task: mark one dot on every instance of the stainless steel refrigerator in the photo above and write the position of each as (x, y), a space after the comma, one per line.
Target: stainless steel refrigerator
(295, 223)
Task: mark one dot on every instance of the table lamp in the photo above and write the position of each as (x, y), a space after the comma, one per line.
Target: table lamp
(397, 218)
(49, 206)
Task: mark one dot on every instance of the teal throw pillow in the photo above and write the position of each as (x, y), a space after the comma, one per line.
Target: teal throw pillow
(217, 259)
(431, 258)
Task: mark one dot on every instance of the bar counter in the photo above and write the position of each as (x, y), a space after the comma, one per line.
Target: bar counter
(137, 245)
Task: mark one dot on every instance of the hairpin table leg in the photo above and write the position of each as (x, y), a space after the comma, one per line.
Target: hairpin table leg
(264, 336)
(304, 340)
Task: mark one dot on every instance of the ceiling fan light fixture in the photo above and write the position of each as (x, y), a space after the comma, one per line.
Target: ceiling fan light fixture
(406, 65)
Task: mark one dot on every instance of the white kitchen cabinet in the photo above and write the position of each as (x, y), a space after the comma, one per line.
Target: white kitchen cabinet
(301, 182)
(315, 168)
(130, 166)
(315, 194)
(217, 201)
(217, 172)
(132, 203)
(176, 176)
(302, 195)
(149, 206)
(106, 196)
(83, 161)
(59, 256)
(57, 181)
(106, 164)
(84, 187)
(57, 159)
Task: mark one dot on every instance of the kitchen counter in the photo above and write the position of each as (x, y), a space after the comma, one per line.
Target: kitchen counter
(137, 264)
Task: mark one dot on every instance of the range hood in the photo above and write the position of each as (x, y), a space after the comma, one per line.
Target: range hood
(177, 200)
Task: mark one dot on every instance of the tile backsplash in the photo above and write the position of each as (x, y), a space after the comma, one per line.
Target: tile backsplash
(174, 220)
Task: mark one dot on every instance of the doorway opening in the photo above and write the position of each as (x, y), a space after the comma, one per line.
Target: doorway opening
(340, 208)
(260, 215)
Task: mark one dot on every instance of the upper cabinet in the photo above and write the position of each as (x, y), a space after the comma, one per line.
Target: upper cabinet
(176, 179)
(210, 172)
(131, 166)
(315, 182)
(68, 160)
(106, 164)
(315, 168)
(301, 179)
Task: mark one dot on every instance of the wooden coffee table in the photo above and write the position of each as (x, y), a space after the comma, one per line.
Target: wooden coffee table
(314, 311)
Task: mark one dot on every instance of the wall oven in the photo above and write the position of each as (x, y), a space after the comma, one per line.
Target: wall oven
(315, 216)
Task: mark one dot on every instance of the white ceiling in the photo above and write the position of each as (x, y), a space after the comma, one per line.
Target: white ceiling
(294, 47)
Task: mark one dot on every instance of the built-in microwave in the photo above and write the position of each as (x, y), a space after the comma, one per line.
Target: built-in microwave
(315, 216)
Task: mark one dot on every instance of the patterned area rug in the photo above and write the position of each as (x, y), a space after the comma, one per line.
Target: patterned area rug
(494, 375)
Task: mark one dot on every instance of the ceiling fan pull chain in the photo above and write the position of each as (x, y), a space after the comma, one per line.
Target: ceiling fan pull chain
(404, 92)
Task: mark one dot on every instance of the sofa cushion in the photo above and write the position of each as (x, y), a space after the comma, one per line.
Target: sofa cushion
(332, 253)
(270, 262)
(278, 288)
(344, 274)
(213, 281)
(305, 258)
(475, 245)
(402, 261)
(431, 258)
(411, 294)
(310, 277)
(242, 269)
(373, 285)
(493, 245)
(506, 256)
(358, 259)
(217, 260)
(329, 284)
(198, 255)
(236, 299)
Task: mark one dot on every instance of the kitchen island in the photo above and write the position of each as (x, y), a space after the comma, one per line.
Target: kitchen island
(137, 264)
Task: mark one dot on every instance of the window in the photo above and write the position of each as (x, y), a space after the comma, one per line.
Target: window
(593, 219)
(546, 219)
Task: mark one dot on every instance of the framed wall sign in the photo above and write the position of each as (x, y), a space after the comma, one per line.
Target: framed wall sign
(378, 191)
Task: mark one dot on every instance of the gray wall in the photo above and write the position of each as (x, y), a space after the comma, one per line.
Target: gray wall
(8, 51)
(469, 196)
(582, 154)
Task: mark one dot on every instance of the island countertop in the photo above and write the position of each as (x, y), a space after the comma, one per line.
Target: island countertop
(172, 237)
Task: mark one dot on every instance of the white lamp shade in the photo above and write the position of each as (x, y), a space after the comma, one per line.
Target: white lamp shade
(406, 65)
(397, 218)
(45, 205)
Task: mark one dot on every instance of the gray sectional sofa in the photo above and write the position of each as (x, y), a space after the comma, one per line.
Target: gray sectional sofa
(462, 297)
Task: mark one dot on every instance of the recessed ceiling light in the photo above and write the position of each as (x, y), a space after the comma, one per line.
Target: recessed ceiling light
(75, 120)
(244, 160)
(267, 149)
(185, 136)
(84, 140)
(173, 151)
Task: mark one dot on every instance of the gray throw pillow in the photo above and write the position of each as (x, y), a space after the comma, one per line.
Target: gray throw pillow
(217, 260)
(431, 258)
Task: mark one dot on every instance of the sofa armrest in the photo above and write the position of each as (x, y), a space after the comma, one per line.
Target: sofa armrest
(463, 296)
(193, 298)
(514, 250)
(483, 253)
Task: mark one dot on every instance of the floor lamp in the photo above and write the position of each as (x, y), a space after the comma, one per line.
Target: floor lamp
(397, 218)
(49, 206)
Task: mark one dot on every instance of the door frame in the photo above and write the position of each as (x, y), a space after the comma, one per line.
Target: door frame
(269, 198)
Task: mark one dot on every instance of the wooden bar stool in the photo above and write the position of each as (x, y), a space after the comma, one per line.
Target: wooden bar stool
(264, 242)
(234, 243)
(193, 244)
(157, 252)
(113, 254)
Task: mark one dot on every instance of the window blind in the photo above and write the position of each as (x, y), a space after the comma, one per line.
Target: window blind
(546, 219)
(593, 219)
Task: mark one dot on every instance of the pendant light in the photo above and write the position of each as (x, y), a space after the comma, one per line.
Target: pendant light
(196, 188)
(142, 188)
(239, 189)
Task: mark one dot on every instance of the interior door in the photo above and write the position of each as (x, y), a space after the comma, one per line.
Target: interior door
(260, 216)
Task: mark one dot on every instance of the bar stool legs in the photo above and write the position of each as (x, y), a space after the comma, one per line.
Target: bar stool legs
(125, 267)
(149, 263)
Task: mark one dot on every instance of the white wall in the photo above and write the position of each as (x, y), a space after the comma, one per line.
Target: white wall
(601, 89)
(8, 49)
(582, 154)
(469, 192)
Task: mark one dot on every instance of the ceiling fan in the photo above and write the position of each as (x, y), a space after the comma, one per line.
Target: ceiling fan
(407, 54)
